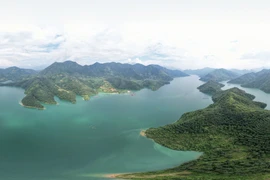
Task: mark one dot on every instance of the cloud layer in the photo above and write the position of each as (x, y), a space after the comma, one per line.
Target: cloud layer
(176, 34)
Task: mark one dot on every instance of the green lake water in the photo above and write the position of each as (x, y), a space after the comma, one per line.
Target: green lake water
(91, 138)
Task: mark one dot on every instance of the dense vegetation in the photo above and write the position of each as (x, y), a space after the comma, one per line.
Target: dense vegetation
(259, 80)
(211, 87)
(233, 134)
(15, 74)
(219, 75)
(68, 79)
(106, 70)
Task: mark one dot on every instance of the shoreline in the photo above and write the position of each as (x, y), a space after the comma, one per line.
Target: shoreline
(115, 175)
(31, 107)
(112, 176)
(84, 98)
(143, 133)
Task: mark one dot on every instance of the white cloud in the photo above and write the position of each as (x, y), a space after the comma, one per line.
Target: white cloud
(179, 34)
(6, 63)
(264, 56)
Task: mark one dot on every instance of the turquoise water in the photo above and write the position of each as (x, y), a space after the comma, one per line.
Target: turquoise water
(91, 138)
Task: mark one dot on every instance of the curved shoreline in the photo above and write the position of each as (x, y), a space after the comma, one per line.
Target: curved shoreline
(31, 107)
(143, 133)
(113, 176)
(118, 175)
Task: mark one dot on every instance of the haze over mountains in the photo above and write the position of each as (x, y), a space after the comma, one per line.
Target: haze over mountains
(219, 75)
(260, 80)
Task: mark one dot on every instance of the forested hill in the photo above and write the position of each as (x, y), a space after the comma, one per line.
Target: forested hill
(260, 80)
(68, 79)
(233, 134)
(15, 74)
(113, 69)
(219, 75)
(211, 87)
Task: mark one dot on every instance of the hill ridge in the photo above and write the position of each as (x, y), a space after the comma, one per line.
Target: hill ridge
(233, 134)
(68, 79)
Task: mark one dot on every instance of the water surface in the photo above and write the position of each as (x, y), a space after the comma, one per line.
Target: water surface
(90, 138)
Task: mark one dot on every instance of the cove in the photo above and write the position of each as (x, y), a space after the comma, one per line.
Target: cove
(92, 138)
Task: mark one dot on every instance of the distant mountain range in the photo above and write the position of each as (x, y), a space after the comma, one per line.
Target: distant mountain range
(260, 80)
(212, 74)
(204, 71)
(15, 74)
(200, 72)
(219, 75)
(136, 71)
(68, 79)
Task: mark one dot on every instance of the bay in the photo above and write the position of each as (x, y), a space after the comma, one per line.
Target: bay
(92, 138)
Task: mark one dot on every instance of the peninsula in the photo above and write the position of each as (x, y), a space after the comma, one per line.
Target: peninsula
(233, 133)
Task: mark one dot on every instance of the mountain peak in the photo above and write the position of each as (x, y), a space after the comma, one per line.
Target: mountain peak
(219, 75)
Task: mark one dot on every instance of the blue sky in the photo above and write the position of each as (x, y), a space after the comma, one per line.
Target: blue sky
(174, 33)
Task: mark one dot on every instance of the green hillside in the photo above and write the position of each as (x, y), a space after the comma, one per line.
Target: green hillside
(233, 133)
(15, 74)
(211, 87)
(219, 75)
(260, 80)
(68, 79)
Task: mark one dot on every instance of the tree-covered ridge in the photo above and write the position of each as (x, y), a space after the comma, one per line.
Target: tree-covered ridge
(15, 74)
(127, 71)
(233, 133)
(211, 87)
(68, 79)
(43, 89)
(219, 75)
(260, 80)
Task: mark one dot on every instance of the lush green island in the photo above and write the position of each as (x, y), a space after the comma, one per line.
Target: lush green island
(211, 87)
(219, 75)
(233, 133)
(260, 80)
(68, 79)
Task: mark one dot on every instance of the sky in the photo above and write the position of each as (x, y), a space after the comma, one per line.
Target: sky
(179, 34)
